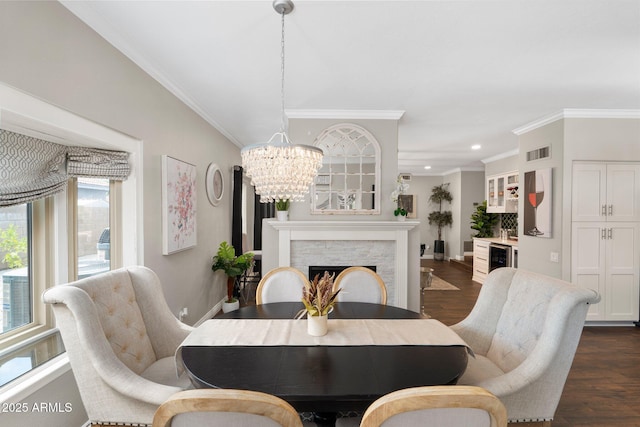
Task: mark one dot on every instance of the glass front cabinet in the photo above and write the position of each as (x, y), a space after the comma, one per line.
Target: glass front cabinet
(502, 193)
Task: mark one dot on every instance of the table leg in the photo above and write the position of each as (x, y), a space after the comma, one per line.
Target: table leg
(324, 419)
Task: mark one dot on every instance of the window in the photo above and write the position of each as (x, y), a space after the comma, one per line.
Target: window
(15, 267)
(92, 231)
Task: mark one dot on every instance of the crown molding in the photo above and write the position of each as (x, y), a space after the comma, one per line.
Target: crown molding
(501, 156)
(345, 114)
(573, 113)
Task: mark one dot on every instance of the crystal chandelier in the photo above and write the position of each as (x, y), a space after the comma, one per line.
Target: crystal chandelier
(281, 170)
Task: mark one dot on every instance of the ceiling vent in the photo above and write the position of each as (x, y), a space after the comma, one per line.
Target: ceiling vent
(539, 153)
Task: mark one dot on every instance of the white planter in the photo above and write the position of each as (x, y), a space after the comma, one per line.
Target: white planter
(282, 215)
(230, 306)
(317, 326)
(401, 217)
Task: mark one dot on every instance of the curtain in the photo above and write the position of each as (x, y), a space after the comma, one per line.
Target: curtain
(97, 163)
(31, 168)
(261, 211)
(236, 219)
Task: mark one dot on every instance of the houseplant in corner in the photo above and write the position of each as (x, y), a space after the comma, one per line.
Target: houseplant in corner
(483, 221)
(440, 218)
(318, 299)
(282, 209)
(233, 266)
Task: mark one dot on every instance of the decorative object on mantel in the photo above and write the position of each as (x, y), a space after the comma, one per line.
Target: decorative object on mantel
(440, 218)
(233, 266)
(281, 170)
(282, 209)
(318, 298)
(396, 197)
(401, 214)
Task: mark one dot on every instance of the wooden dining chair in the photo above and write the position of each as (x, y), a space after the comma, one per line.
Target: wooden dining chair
(451, 406)
(282, 284)
(360, 284)
(216, 407)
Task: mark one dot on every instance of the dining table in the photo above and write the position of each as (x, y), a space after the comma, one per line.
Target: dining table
(370, 350)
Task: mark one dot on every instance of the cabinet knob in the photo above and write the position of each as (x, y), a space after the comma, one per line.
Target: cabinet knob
(604, 210)
(603, 234)
(610, 210)
(610, 236)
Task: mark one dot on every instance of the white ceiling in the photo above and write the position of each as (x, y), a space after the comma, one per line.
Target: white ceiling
(463, 72)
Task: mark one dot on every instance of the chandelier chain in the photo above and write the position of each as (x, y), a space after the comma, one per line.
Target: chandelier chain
(282, 121)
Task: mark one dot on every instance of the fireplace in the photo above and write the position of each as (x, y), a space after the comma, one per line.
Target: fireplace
(332, 269)
(393, 247)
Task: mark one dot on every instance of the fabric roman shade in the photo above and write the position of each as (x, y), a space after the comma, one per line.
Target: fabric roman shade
(31, 168)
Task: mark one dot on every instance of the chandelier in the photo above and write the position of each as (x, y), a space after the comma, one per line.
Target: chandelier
(281, 170)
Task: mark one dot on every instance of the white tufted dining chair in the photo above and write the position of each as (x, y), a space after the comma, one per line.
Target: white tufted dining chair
(282, 284)
(120, 337)
(360, 284)
(524, 330)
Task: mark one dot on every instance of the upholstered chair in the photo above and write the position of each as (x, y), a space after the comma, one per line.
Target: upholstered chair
(282, 284)
(451, 406)
(225, 407)
(360, 284)
(524, 330)
(121, 339)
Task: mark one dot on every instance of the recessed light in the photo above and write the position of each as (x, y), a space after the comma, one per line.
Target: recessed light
(476, 147)
(427, 167)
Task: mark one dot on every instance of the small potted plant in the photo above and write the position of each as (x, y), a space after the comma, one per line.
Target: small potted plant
(282, 209)
(233, 266)
(483, 222)
(400, 214)
(318, 299)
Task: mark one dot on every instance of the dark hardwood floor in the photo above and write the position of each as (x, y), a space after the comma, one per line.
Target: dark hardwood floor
(603, 387)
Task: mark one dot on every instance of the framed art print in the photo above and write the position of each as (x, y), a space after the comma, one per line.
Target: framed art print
(538, 192)
(178, 205)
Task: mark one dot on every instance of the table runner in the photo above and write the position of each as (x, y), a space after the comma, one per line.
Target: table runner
(342, 332)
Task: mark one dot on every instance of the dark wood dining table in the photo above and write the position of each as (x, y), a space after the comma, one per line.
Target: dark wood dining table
(324, 379)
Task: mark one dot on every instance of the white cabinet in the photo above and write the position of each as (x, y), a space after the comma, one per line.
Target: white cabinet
(606, 258)
(502, 193)
(606, 192)
(480, 260)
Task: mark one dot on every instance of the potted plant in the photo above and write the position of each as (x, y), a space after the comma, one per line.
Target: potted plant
(440, 218)
(400, 214)
(233, 266)
(282, 209)
(318, 298)
(483, 221)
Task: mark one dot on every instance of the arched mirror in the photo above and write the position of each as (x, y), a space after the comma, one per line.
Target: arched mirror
(349, 179)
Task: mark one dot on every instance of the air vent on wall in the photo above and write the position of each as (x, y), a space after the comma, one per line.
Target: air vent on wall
(405, 176)
(539, 153)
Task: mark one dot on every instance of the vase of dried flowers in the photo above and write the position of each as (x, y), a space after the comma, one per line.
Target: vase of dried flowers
(318, 298)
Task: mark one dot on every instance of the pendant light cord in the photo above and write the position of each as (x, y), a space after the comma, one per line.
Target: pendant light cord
(282, 121)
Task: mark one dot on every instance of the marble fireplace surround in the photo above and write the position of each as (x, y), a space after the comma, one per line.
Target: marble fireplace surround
(392, 246)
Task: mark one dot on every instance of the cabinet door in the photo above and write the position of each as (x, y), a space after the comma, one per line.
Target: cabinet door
(623, 192)
(588, 197)
(588, 262)
(496, 194)
(622, 290)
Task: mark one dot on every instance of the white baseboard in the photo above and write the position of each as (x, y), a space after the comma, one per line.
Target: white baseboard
(214, 310)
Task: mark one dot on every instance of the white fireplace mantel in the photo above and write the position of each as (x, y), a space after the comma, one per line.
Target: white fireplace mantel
(280, 236)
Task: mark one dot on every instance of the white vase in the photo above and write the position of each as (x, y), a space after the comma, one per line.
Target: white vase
(317, 326)
(230, 306)
(401, 217)
(282, 215)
